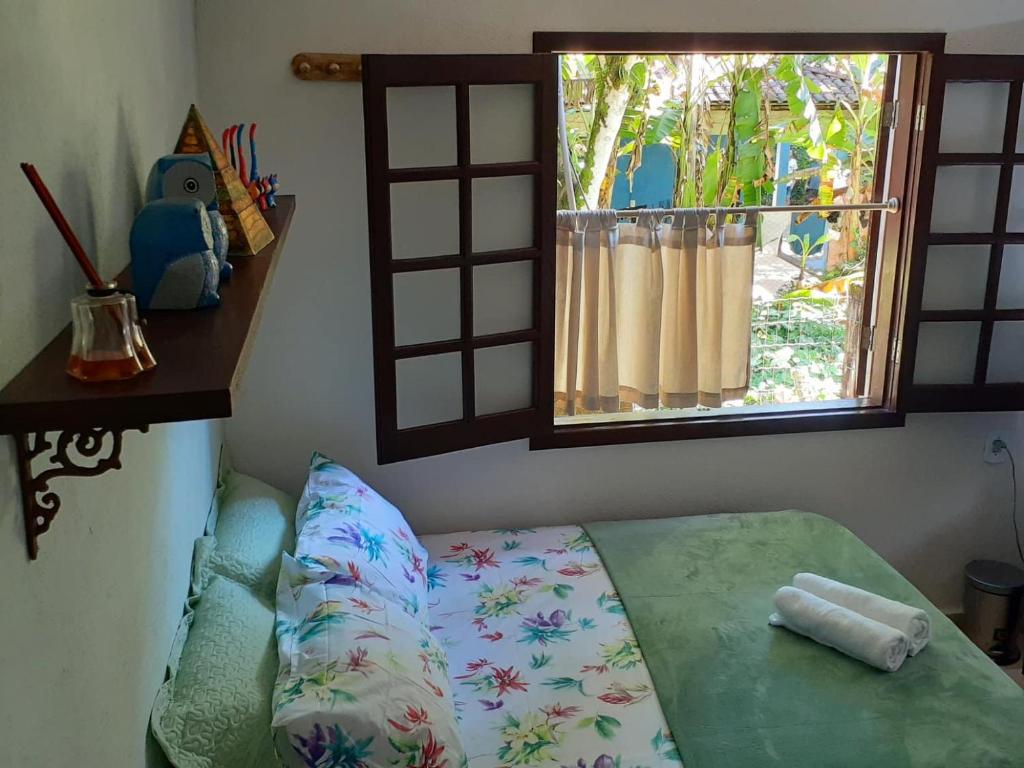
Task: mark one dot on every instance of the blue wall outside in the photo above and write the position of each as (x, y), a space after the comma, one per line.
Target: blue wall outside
(652, 182)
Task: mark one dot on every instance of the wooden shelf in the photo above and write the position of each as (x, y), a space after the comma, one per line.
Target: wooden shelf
(200, 356)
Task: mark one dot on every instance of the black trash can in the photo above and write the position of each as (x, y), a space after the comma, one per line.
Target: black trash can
(992, 604)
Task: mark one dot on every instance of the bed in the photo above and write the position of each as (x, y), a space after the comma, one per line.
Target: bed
(629, 644)
(548, 669)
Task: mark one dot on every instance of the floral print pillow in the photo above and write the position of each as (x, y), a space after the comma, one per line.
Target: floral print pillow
(346, 527)
(362, 683)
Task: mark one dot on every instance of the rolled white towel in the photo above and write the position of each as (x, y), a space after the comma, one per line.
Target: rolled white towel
(913, 622)
(857, 636)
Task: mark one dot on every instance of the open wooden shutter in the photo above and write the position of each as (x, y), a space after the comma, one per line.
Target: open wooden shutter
(963, 342)
(460, 155)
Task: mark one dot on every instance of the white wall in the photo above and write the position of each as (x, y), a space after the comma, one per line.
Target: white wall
(919, 495)
(91, 92)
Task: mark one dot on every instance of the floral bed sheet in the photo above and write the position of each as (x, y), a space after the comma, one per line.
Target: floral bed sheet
(544, 667)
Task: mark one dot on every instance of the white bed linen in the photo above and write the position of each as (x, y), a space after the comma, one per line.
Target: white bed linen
(544, 667)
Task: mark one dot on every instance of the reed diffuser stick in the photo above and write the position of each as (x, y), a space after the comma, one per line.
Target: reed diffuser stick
(62, 225)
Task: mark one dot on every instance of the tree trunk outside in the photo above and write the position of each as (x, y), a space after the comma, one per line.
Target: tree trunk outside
(606, 134)
(851, 346)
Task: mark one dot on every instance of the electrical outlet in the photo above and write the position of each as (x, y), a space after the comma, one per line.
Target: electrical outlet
(992, 454)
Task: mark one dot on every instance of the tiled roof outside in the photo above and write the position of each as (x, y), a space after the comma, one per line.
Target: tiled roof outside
(833, 87)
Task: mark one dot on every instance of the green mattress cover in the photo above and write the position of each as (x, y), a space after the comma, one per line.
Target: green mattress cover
(736, 692)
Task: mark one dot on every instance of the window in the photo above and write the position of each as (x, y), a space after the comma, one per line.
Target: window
(681, 325)
(476, 317)
(800, 337)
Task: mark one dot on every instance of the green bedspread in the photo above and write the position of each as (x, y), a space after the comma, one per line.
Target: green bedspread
(741, 694)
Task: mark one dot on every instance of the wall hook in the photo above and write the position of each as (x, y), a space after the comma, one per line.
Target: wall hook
(339, 67)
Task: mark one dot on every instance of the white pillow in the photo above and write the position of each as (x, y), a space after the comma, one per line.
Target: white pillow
(346, 527)
(361, 681)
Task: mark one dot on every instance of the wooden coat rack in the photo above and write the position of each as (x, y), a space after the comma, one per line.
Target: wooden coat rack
(337, 67)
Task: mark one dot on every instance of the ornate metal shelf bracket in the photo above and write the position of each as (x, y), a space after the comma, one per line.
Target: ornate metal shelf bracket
(39, 504)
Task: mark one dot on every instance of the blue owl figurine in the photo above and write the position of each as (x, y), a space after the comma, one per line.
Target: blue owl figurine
(173, 262)
(184, 177)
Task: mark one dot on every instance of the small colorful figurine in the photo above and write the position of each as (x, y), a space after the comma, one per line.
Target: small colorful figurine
(254, 175)
(268, 188)
(262, 190)
(274, 186)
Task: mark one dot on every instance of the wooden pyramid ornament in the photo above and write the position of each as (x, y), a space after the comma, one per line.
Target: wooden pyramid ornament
(248, 232)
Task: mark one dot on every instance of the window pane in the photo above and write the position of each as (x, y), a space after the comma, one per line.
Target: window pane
(424, 219)
(501, 125)
(946, 353)
(502, 297)
(1015, 215)
(974, 117)
(965, 198)
(1011, 278)
(1006, 356)
(427, 306)
(504, 378)
(429, 389)
(421, 126)
(955, 277)
(502, 213)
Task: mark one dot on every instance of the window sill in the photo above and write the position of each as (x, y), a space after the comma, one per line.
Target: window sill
(806, 419)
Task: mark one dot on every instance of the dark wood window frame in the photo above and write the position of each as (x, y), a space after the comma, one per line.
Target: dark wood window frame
(380, 72)
(979, 395)
(802, 417)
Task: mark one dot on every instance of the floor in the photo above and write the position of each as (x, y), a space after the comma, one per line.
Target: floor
(770, 271)
(1014, 673)
(770, 274)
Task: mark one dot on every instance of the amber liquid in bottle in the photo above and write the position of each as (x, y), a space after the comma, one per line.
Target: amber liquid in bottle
(105, 336)
(102, 370)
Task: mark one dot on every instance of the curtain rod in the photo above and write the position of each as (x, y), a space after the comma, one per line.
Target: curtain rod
(892, 205)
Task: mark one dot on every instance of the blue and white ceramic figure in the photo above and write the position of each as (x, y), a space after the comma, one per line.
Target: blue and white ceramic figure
(173, 262)
(183, 177)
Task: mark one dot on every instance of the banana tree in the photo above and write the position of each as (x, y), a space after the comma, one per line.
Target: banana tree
(806, 247)
(751, 136)
(842, 142)
(859, 126)
(737, 169)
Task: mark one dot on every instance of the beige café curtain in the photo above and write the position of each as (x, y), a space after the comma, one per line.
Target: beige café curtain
(657, 315)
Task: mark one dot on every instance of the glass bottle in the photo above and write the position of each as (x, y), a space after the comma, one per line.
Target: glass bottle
(138, 340)
(102, 344)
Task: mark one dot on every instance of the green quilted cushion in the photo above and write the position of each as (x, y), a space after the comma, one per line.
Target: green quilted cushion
(255, 522)
(214, 710)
